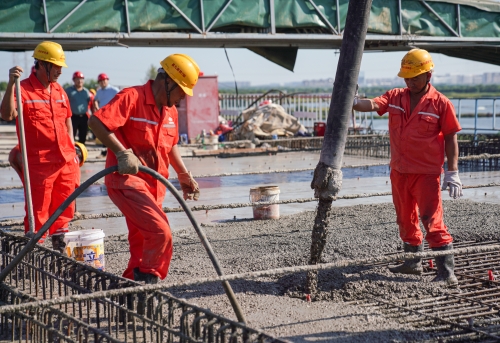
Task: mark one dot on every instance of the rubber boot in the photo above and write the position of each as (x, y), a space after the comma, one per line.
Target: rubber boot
(445, 266)
(413, 266)
(58, 244)
(148, 279)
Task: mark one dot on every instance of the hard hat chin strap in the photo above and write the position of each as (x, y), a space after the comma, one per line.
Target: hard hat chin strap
(48, 68)
(168, 91)
(420, 91)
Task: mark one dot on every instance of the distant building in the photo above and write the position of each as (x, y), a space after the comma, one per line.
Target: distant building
(230, 84)
(318, 83)
(476, 79)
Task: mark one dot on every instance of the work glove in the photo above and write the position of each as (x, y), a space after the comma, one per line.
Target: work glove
(356, 97)
(189, 186)
(128, 163)
(452, 180)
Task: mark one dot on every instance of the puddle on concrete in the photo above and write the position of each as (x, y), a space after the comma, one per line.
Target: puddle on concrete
(17, 195)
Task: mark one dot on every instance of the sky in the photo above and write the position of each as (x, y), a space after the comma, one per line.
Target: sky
(128, 66)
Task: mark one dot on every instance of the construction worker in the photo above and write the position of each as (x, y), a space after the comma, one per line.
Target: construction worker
(105, 93)
(53, 164)
(140, 126)
(422, 128)
(79, 99)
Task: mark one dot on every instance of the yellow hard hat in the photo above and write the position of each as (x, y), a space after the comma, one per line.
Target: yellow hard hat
(415, 62)
(50, 52)
(81, 152)
(183, 70)
(92, 90)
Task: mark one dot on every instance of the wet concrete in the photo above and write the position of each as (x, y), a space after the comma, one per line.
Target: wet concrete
(277, 305)
(235, 189)
(358, 228)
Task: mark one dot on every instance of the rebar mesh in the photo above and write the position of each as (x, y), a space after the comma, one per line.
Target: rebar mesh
(140, 316)
(471, 313)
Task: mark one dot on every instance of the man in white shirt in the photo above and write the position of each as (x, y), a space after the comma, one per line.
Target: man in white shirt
(105, 93)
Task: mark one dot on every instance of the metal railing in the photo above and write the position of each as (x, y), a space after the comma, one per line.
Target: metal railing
(475, 115)
(129, 314)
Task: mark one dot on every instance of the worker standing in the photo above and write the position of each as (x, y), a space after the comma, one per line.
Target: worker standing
(79, 99)
(422, 129)
(140, 126)
(105, 93)
(53, 164)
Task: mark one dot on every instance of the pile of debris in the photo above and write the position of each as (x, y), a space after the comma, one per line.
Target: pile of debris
(265, 122)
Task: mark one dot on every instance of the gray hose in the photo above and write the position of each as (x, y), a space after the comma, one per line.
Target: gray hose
(201, 234)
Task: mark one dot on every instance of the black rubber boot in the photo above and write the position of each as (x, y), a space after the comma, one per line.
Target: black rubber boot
(445, 266)
(413, 266)
(58, 244)
(144, 306)
(148, 279)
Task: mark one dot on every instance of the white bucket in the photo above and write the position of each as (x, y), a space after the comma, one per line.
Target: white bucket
(86, 246)
(264, 194)
(211, 139)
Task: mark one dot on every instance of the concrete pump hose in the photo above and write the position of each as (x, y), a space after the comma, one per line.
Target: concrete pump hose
(201, 234)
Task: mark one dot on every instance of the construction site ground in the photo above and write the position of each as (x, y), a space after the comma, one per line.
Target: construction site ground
(348, 309)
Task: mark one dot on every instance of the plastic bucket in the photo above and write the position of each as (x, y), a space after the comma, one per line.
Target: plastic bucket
(264, 194)
(86, 246)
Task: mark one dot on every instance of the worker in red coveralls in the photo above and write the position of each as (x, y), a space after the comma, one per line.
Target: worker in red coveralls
(422, 129)
(53, 164)
(140, 127)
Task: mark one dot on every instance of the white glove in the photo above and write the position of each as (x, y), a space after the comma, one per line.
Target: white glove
(452, 180)
(356, 97)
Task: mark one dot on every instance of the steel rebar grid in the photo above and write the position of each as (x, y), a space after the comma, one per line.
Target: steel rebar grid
(45, 274)
(470, 313)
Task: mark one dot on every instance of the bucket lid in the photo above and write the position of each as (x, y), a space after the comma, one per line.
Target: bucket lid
(84, 235)
(269, 190)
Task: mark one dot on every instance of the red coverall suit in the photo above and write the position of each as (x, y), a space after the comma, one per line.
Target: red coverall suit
(132, 115)
(417, 157)
(52, 161)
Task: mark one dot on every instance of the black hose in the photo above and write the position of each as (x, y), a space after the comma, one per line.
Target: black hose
(201, 234)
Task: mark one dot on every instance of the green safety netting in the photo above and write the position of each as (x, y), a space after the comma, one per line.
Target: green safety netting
(480, 18)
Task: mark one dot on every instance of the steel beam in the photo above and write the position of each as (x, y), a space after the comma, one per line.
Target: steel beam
(184, 16)
(426, 5)
(202, 13)
(75, 41)
(47, 28)
(127, 16)
(219, 15)
(68, 15)
(272, 16)
(338, 15)
(400, 13)
(459, 24)
(327, 22)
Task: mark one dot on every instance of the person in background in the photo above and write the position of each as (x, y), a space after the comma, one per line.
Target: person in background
(79, 99)
(105, 93)
(140, 127)
(423, 128)
(52, 160)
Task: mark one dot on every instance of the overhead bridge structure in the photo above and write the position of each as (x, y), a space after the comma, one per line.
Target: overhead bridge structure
(275, 29)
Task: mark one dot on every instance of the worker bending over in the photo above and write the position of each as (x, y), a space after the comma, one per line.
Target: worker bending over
(53, 164)
(140, 126)
(422, 128)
